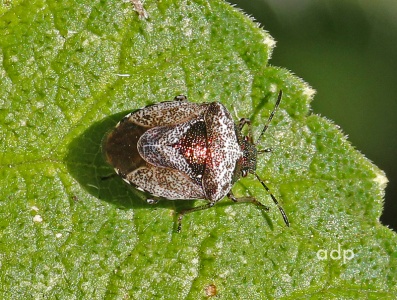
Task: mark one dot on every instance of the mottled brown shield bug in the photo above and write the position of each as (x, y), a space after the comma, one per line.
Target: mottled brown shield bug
(182, 150)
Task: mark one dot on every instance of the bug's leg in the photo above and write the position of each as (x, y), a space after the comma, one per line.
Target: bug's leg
(247, 199)
(242, 122)
(266, 150)
(108, 176)
(180, 98)
(152, 201)
(188, 211)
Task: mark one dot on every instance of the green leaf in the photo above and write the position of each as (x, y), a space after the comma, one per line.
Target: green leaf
(70, 70)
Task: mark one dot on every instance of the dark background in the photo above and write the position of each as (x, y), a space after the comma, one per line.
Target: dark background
(347, 51)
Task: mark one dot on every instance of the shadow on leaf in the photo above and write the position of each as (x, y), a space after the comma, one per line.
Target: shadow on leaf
(87, 165)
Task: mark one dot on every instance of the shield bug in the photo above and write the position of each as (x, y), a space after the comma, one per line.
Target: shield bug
(182, 150)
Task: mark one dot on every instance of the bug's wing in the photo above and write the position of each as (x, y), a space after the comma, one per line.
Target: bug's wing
(181, 147)
(167, 113)
(165, 182)
(223, 152)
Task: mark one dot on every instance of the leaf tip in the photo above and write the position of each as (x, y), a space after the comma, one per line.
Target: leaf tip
(269, 41)
(309, 92)
(381, 179)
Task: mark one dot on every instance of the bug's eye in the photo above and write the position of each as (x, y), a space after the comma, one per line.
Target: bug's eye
(244, 173)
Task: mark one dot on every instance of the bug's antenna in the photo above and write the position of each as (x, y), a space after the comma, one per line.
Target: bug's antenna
(280, 94)
(274, 200)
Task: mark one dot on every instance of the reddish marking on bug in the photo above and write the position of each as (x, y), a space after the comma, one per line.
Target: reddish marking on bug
(194, 153)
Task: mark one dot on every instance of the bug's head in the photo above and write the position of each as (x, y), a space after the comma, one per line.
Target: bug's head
(247, 163)
(248, 146)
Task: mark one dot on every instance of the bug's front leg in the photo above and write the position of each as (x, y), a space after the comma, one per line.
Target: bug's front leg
(241, 124)
(244, 121)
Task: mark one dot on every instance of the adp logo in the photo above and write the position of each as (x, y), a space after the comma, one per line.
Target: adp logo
(336, 254)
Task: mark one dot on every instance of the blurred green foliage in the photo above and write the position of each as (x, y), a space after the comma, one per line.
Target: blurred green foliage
(347, 51)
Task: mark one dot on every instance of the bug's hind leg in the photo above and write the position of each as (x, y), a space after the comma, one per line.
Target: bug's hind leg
(190, 210)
